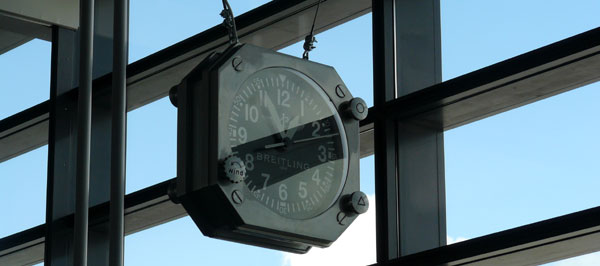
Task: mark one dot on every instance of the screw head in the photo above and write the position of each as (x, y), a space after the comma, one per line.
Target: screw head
(341, 218)
(339, 91)
(357, 109)
(237, 63)
(237, 197)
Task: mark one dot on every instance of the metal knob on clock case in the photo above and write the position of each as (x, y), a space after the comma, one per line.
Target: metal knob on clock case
(357, 109)
(357, 203)
(235, 170)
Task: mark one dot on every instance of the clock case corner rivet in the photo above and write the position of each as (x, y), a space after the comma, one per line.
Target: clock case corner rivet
(339, 91)
(237, 63)
(237, 197)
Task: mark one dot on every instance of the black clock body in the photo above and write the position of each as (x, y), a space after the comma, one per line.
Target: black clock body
(226, 208)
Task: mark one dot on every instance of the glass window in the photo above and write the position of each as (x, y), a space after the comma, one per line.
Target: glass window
(348, 48)
(526, 165)
(476, 34)
(151, 144)
(158, 24)
(180, 242)
(531, 163)
(23, 191)
(24, 77)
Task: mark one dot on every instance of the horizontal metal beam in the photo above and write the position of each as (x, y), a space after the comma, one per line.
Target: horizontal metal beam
(24, 131)
(64, 13)
(274, 25)
(524, 79)
(143, 209)
(15, 32)
(542, 242)
(550, 240)
(10, 40)
(25, 28)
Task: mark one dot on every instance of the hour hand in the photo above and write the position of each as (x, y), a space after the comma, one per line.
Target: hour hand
(274, 145)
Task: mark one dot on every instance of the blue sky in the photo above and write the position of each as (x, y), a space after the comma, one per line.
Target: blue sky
(525, 165)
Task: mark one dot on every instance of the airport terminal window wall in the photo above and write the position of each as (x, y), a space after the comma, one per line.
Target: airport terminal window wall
(532, 163)
(538, 158)
(150, 161)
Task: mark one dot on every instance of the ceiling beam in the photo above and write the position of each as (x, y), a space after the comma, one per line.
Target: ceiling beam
(24, 28)
(546, 241)
(533, 244)
(547, 71)
(274, 25)
(64, 13)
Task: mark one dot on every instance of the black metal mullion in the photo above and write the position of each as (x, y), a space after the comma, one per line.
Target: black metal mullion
(384, 90)
(84, 130)
(61, 149)
(119, 137)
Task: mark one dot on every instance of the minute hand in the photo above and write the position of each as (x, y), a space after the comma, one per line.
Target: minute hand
(275, 119)
(315, 138)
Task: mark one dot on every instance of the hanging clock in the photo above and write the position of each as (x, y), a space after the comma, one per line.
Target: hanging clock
(268, 149)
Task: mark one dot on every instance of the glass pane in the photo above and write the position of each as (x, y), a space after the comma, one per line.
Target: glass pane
(151, 144)
(348, 48)
(181, 243)
(526, 165)
(23, 192)
(532, 163)
(476, 33)
(161, 23)
(24, 76)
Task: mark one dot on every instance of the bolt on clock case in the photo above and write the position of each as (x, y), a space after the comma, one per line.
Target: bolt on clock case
(227, 207)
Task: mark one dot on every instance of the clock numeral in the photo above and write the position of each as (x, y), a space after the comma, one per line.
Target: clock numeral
(242, 135)
(266, 176)
(301, 108)
(316, 178)
(283, 97)
(283, 192)
(322, 153)
(251, 113)
(249, 162)
(317, 127)
(302, 192)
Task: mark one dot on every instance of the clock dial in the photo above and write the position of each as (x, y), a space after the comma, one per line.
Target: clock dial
(292, 141)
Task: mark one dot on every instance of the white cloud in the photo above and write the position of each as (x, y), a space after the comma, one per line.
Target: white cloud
(356, 246)
(451, 240)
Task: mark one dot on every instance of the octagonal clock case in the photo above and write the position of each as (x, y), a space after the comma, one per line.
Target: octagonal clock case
(268, 149)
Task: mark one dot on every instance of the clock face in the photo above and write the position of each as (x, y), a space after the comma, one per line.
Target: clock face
(291, 139)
